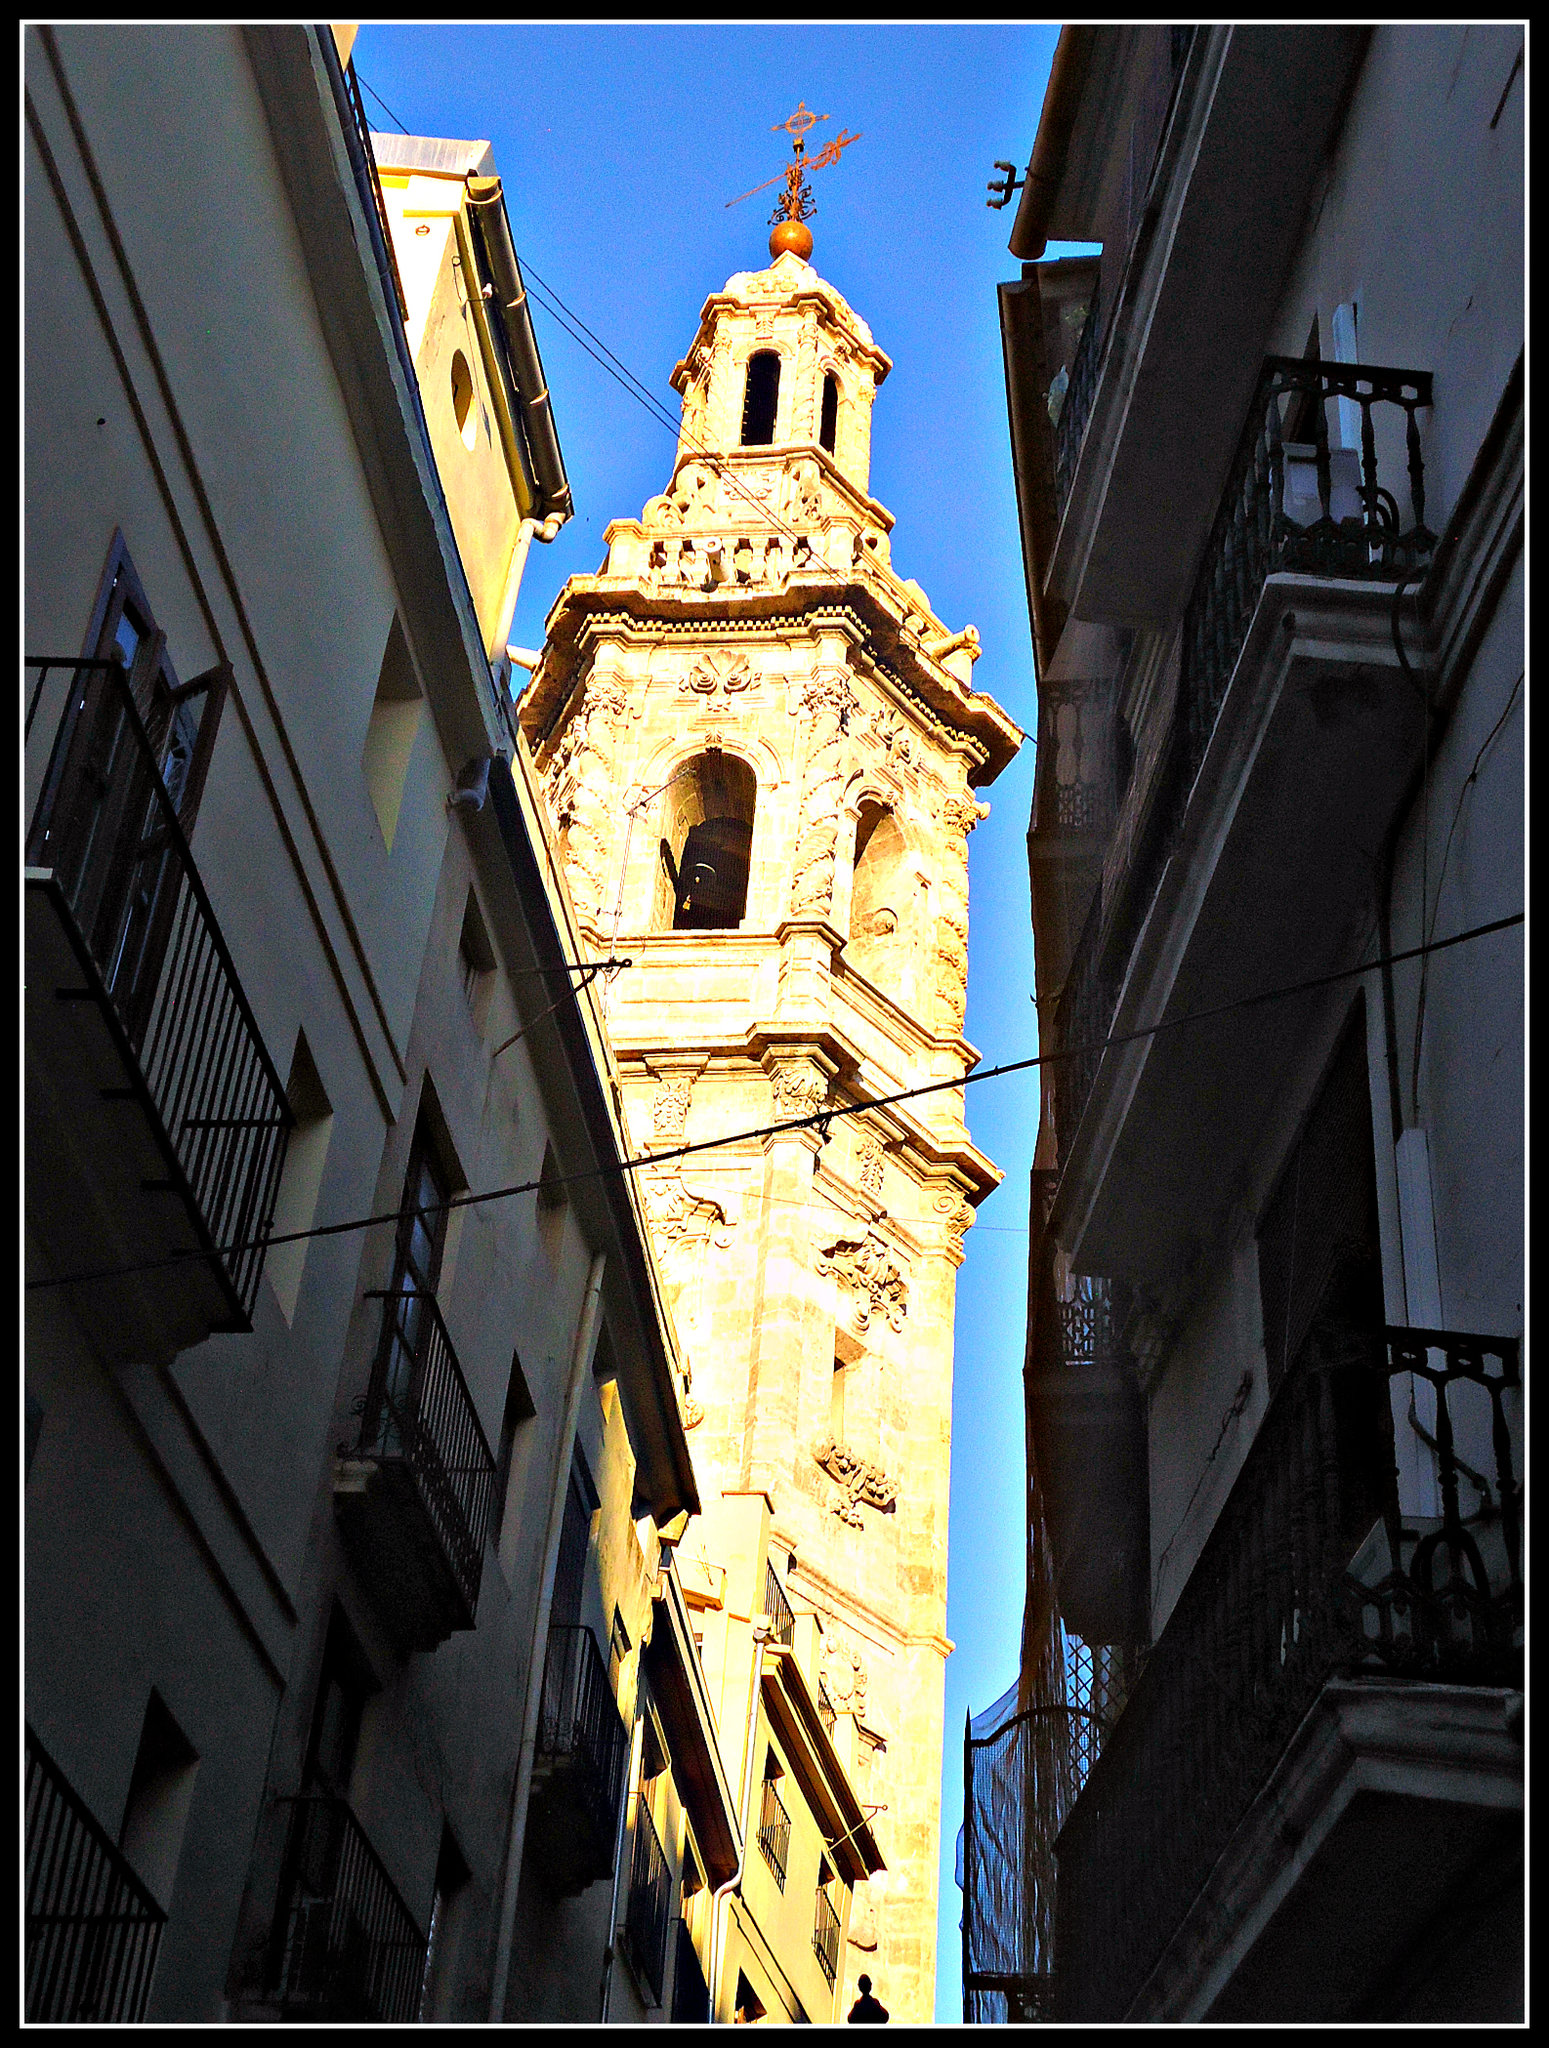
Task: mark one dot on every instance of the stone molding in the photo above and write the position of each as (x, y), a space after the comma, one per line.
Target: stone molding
(877, 1285)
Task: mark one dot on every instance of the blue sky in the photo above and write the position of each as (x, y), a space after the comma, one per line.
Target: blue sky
(618, 147)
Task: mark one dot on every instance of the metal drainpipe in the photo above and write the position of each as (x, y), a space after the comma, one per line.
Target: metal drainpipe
(636, 1745)
(720, 1904)
(579, 1358)
(544, 530)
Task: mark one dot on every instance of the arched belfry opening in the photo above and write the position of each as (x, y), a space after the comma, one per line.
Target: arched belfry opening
(762, 399)
(828, 426)
(877, 905)
(706, 846)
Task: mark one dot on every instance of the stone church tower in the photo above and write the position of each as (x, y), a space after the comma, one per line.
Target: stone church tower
(760, 749)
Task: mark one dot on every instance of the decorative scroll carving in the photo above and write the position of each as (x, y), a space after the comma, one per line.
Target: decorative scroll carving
(959, 815)
(828, 703)
(878, 1286)
(958, 1216)
(678, 1215)
(858, 1481)
(798, 1091)
(579, 788)
(869, 1167)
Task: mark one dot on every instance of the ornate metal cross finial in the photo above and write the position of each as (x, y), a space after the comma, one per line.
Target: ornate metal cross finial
(796, 202)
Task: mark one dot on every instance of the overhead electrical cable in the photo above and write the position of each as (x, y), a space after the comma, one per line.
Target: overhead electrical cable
(818, 1119)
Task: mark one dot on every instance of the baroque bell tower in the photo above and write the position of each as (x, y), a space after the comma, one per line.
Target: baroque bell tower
(759, 748)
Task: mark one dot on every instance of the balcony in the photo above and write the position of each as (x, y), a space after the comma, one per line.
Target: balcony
(646, 1914)
(578, 1768)
(825, 1936)
(1312, 1579)
(1231, 127)
(782, 1623)
(415, 1495)
(92, 1928)
(774, 1831)
(345, 1946)
(156, 1122)
(1293, 734)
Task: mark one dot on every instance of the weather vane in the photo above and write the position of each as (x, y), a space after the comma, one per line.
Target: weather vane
(796, 203)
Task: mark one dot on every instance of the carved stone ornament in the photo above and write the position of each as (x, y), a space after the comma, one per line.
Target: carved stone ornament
(858, 1481)
(892, 735)
(731, 673)
(962, 813)
(693, 1414)
(798, 1091)
(958, 1216)
(864, 1264)
(843, 1671)
(669, 1107)
(677, 1214)
(869, 1167)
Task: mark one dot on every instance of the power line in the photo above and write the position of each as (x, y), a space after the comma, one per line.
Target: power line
(386, 109)
(818, 1119)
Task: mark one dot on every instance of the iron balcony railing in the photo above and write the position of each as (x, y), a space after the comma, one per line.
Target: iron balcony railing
(1311, 1572)
(1291, 505)
(345, 1946)
(825, 1936)
(774, 1831)
(646, 1914)
(109, 831)
(580, 1728)
(92, 1927)
(782, 1623)
(418, 1411)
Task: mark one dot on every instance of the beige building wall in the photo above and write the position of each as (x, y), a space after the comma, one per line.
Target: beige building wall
(747, 653)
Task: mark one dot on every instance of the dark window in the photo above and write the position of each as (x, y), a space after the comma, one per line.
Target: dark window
(762, 401)
(828, 430)
(570, 1567)
(343, 1688)
(452, 1875)
(1319, 1261)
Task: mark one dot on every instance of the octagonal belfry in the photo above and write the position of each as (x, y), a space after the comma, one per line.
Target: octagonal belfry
(759, 748)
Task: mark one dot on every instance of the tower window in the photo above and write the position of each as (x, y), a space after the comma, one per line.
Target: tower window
(877, 900)
(763, 397)
(706, 846)
(829, 427)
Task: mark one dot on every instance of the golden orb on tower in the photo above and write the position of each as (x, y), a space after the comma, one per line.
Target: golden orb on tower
(794, 235)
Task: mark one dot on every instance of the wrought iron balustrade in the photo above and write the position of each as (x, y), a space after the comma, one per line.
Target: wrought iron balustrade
(1311, 1572)
(419, 1413)
(782, 1623)
(345, 1946)
(774, 1831)
(92, 1928)
(825, 1936)
(645, 1915)
(1290, 505)
(109, 832)
(581, 1733)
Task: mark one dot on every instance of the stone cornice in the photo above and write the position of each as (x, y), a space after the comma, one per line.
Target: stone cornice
(870, 616)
